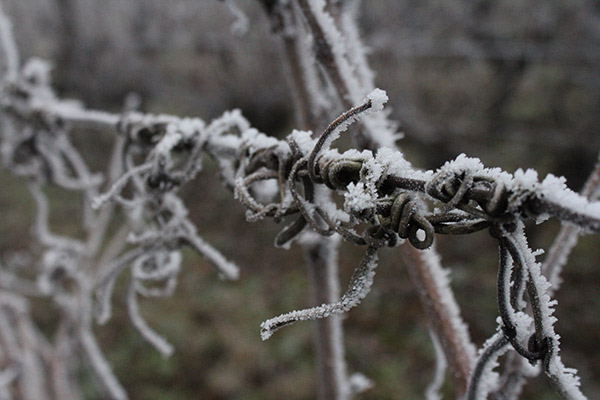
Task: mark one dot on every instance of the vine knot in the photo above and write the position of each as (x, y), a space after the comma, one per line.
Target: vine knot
(458, 189)
(406, 220)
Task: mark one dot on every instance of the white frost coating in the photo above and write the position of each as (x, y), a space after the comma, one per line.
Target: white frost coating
(255, 140)
(568, 236)
(265, 191)
(565, 380)
(489, 379)
(371, 172)
(338, 46)
(38, 71)
(359, 287)
(463, 163)
(352, 70)
(171, 138)
(190, 127)
(433, 390)
(356, 52)
(319, 98)
(120, 184)
(362, 196)
(393, 163)
(358, 198)
(359, 383)
(157, 266)
(156, 340)
(555, 189)
(230, 120)
(105, 289)
(56, 263)
(226, 268)
(304, 140)
(378, 99)
(41, 227)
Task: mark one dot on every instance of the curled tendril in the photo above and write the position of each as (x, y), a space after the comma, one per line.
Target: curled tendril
(337, 174)
(458, 189)
(305, 205)
(507, 298)
(265, 164)
(406, 219)
(338, 125)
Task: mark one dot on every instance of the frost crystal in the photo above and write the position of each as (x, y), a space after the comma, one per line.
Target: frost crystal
(378, 98)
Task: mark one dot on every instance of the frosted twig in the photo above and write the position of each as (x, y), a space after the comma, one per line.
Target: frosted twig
(355, 49)
(568, 235)
(107, 283)
(226, 268)
(360, 285)
(157, 341)
(449, 325)
(120, 184)
(305, 205)
(101, 366)
(331, 50)
(41, 223)
(564, 380)
(483, 379)
(374, 102)
(242, 191)
(517, 371)
(98, 224)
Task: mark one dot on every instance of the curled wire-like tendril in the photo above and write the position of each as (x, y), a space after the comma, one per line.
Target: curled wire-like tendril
(337, 125)
(337, 174)
(359, 286)
(457, 189)
(406, 220)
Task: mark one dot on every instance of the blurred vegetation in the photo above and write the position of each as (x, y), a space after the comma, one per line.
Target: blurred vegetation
(516, 83)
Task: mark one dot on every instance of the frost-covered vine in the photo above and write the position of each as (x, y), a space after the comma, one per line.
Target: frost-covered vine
(383, 201)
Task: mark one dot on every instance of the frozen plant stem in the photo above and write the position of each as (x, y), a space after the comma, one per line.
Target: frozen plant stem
(433, 287)
(322, 262)
(517, 370)
(321, 255)
(568, 235)
(160, 153)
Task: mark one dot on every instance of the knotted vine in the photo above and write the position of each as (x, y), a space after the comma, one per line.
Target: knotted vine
(390, 200)
(383, 201)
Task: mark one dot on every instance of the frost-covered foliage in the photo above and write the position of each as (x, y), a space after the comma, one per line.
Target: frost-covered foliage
(369, 195)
